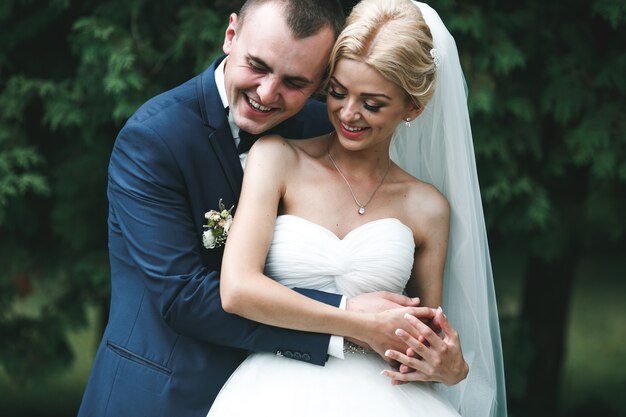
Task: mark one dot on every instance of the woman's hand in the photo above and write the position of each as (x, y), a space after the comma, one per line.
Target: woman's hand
(430, 357)
(379, 331)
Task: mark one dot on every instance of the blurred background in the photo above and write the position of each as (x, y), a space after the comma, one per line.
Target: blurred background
(547, 93)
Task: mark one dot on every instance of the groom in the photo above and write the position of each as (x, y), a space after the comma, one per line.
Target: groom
(168, 346)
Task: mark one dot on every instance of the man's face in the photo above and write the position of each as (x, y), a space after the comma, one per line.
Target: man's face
(269, 74)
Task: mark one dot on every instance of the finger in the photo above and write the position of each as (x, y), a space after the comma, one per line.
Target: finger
(416, 350)
(423, 330)
(411, 353)
(400, 299)
(439, 318)
(417, 328)
(417, 365)
(420, 339)
(391, 362)
(398, 378)
(446, 326)
(434, 324)
(423, 313)
(396, 382)
(389, 359)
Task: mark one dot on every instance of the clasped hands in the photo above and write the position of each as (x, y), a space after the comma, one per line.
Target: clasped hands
(418, 342)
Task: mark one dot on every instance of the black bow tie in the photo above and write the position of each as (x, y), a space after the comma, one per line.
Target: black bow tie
(246, 140)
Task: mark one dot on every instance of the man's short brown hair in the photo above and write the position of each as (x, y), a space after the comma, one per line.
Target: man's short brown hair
(304, 17)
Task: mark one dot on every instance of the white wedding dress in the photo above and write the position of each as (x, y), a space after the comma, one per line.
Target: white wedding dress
(375, 256)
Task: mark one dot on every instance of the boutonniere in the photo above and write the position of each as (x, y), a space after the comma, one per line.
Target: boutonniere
(217, 226)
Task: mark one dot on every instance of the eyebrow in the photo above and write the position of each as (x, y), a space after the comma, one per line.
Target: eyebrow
(362, 94)
(291, 78)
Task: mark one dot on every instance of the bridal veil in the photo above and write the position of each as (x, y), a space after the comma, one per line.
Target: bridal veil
(437, 148)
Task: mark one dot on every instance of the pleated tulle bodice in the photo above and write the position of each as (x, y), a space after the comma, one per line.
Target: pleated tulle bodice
(375, 256)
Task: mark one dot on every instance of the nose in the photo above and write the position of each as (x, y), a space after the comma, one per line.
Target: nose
(268, 89)
(350, 111)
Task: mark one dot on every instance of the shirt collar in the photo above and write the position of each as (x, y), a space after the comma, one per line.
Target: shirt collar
(219, 82)
(221, 89)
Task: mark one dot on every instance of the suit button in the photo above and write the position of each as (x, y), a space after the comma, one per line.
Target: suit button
(306, 357)
(288, 354)
(297, 355)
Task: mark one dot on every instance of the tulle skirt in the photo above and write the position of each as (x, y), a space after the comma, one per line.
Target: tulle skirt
(269, 385)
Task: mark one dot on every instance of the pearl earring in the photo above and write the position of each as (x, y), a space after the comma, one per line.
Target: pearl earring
(407, 122)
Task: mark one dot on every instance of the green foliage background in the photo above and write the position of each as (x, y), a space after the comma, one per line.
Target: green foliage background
(547, 89)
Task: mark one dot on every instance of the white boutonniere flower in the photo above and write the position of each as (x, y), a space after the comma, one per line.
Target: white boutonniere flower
(217, 227)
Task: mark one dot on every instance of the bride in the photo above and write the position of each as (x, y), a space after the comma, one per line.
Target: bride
(351, 220)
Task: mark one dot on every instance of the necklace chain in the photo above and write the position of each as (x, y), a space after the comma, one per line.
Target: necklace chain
(361, 206)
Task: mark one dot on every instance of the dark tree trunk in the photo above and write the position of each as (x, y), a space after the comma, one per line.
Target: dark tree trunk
(546, 305)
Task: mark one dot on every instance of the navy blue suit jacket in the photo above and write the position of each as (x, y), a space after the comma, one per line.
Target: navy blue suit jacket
(168, 346)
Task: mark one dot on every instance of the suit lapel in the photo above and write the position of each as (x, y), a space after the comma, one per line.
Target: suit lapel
(220, 138)
(224, 147)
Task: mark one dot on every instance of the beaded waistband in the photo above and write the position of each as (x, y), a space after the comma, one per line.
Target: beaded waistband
(349, 347)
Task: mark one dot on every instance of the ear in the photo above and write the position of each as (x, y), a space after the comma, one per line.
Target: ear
(229, 36)
(414, 111)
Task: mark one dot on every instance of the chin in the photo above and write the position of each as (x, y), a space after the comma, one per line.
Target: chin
(255, 123)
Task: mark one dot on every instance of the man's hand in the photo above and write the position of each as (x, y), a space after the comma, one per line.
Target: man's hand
(430, 357)
(376, 302)
(377, 330)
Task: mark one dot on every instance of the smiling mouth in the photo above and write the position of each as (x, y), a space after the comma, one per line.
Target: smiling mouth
(258, 106)
(352, 129)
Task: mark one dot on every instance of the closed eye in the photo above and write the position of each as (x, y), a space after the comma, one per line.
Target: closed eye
(372, 107)
(295, 84)
(258, 68)
(336, 94)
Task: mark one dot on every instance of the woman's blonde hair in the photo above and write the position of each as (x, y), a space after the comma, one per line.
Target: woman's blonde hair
(392, 37)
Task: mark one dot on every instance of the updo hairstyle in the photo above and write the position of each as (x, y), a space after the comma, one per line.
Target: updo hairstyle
(392, 37)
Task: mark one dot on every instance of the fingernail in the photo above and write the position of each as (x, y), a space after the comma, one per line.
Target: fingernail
(388, 353)
(400, 332)
(407, 316)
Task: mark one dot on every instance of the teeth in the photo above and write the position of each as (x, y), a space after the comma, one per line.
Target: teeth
(352, 129)
(258, 106)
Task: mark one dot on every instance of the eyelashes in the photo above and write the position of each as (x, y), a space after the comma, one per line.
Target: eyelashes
(340, 96)
(336, 94)
(262, 69)
(372, 107)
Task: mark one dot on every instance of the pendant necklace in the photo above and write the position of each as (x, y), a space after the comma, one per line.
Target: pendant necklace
(361, 206)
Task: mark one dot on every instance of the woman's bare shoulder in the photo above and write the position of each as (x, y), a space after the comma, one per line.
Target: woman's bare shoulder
(271, 149)
(278, 146)
(315, 147)
(423, 204)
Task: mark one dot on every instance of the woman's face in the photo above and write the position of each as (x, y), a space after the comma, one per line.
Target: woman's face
(364, 107)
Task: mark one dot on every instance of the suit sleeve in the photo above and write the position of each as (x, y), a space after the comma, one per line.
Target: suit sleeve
(151, 216)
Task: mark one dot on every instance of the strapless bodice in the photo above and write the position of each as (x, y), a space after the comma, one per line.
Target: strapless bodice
(375, 256)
